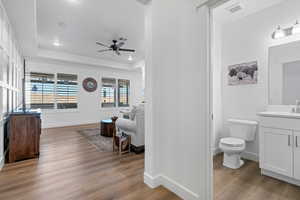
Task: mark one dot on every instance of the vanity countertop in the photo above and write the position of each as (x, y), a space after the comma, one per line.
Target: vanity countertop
(279, 114)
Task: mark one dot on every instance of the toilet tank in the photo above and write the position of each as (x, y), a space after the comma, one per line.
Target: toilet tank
(243, 129)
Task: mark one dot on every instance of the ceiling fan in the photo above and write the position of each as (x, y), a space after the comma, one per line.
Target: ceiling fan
(115, 46)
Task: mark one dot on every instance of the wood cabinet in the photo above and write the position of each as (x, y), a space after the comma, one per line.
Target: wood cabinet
(280, 148)
(24, 130)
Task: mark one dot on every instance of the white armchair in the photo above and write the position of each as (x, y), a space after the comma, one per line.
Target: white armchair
(135, 127)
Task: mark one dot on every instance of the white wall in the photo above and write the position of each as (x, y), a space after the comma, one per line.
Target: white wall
(176, 74)
(249, 39)
(89, 104)
(10, 83)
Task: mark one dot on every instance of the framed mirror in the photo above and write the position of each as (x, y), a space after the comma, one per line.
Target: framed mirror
(284, 74)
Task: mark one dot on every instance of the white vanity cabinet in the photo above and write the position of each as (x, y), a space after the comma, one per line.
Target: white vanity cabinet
(277, 150)
(297, 155)
(280, 147)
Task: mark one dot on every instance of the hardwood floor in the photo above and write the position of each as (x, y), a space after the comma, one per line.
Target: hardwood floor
(247, 184)
(69, 168)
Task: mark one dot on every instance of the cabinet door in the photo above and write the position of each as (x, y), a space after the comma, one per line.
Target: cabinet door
(277, 150)
(297, 155)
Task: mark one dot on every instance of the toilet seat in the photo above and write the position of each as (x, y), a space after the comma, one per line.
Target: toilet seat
(232, 142)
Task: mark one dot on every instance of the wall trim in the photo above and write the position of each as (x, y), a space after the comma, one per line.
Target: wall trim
(246, 155)
(1, 162)
(152, 181)
(250, 156)
(170, 184)
(216, 151)
(70, 125)
(280, 177)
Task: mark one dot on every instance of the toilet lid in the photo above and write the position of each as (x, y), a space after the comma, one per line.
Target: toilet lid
(233, 142)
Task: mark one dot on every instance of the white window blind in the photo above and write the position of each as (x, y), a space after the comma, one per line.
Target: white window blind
(123, 90)
(40, 90)
(108, 92)
(66, 91)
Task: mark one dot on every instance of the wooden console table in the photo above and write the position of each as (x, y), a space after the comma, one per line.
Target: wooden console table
(24, 130)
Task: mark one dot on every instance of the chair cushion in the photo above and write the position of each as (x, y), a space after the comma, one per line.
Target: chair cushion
(133, 113)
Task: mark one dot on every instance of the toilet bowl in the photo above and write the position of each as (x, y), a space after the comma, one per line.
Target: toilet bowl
(232, 148)
(240, 131)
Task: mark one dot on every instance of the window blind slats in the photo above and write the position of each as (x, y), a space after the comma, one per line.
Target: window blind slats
(66, 91)
(123, 90)
(108, 92)
(40, 90)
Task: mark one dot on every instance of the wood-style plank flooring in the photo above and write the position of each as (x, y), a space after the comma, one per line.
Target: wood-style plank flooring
(247, 183)
(69, 168)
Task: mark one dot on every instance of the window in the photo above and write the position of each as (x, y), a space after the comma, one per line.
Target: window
(66, 91)
(40, 90)
(108, 92)
(123, 90)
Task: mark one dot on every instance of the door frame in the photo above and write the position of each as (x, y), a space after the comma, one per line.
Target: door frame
(211, 5)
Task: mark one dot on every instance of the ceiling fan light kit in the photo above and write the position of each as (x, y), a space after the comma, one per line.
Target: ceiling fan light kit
(116, 46)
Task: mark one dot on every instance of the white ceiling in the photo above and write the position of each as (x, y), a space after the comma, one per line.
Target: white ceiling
(21, 14)
(223, 16)
(78, 24)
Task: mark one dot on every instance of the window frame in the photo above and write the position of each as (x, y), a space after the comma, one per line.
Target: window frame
(56, 92)
(109, 105)
(56, 109)
(29, 92)
(127, 94)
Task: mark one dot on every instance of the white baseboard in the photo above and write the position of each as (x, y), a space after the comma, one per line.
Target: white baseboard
(67, 124)
(1, 163)
(171, 185)
(152, 182)
(246, 155)
(216, 151)
(250, 156)
(280, 177)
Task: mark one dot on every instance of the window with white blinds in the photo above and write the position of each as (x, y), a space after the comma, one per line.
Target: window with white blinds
(123, 90)
(66, 91)
(108, 92)
(40, 90)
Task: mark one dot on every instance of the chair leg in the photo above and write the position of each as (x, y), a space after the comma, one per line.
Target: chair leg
(129, 145)
(120, 147)
(113, 145)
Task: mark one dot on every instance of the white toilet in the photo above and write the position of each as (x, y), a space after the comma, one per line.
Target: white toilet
(241, 131)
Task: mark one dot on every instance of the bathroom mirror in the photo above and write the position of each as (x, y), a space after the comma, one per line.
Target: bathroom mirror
(284, 74)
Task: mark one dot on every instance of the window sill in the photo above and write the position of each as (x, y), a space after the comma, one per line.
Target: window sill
(55, 111)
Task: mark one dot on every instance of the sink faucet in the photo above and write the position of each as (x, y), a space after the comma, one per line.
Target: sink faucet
(297, 107)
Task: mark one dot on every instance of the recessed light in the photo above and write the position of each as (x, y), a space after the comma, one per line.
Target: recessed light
(57, 43)
(130, 58)
(74, 1)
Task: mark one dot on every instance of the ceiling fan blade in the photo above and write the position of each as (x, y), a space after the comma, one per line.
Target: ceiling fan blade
(99, 43)
(128, 50)
(104, 50)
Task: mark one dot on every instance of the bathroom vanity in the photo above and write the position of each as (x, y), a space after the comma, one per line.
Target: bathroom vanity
(279, 135)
